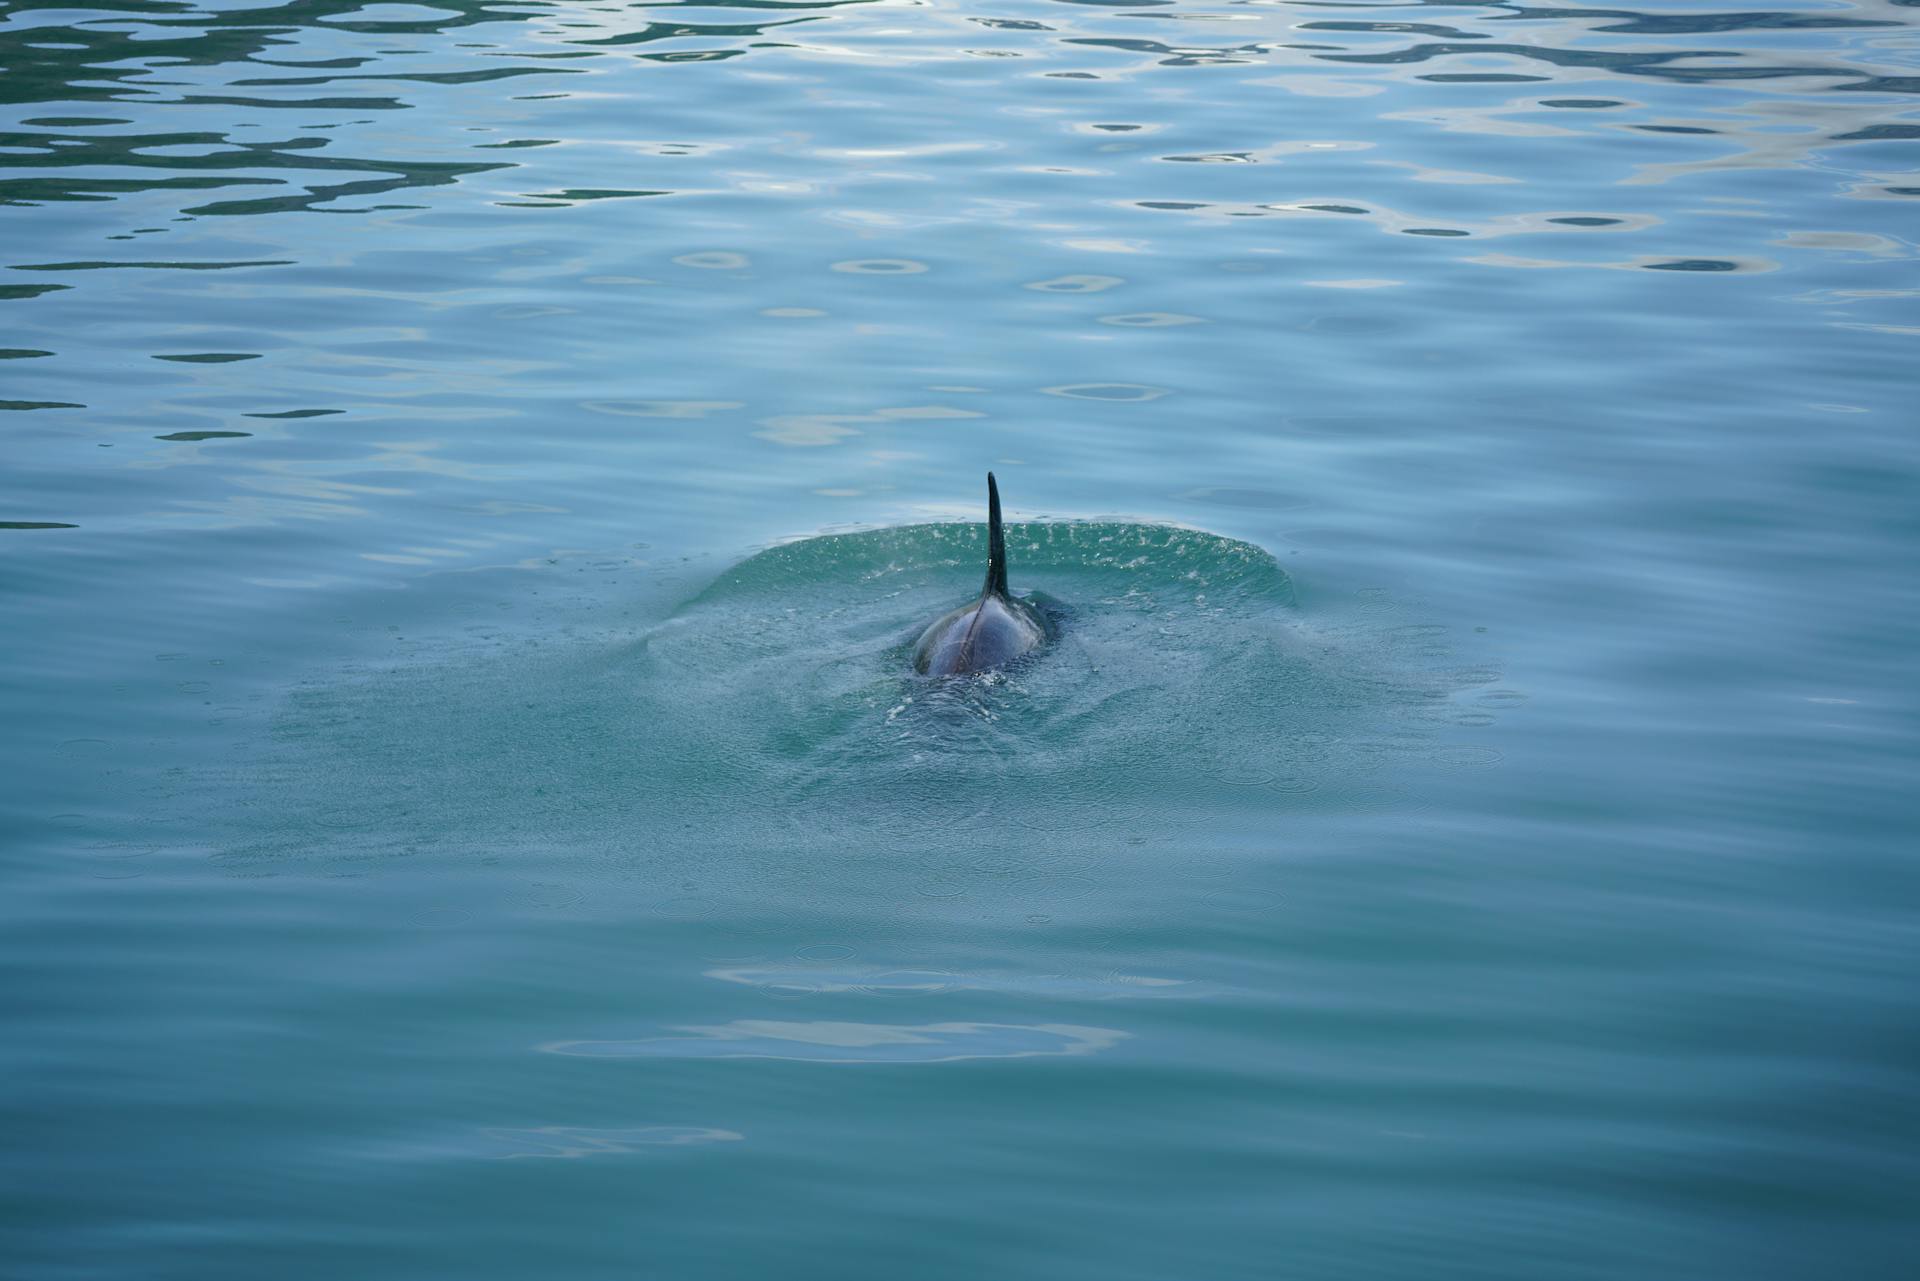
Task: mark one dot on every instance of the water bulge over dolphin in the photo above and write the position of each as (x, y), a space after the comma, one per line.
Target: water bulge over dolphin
(992, 631)
(758, 730)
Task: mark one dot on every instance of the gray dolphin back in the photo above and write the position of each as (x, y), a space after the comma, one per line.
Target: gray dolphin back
(993, 630)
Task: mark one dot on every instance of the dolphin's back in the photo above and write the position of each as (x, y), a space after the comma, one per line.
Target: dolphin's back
(993, 630)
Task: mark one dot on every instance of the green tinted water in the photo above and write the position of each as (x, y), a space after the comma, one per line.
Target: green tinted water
(473, 475)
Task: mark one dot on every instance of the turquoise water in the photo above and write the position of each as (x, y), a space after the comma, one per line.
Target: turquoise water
(472, 477)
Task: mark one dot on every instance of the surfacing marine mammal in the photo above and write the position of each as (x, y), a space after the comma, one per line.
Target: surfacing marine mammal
(993, 630)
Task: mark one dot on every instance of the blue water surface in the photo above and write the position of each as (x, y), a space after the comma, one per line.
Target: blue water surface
(472, 474)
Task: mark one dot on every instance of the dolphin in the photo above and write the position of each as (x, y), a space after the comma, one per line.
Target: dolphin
(993, 630)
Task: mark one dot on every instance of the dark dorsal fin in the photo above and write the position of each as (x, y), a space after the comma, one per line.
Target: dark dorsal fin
(996, 544)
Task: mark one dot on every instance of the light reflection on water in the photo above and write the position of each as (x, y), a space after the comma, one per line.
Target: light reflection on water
(823, 1042)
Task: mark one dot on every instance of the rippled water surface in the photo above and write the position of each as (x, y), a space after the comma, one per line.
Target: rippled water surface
(472, 474)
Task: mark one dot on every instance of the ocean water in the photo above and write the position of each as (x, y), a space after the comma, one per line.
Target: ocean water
(472, 474)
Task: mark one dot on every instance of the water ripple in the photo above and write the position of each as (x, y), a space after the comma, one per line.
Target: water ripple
(825, 1042)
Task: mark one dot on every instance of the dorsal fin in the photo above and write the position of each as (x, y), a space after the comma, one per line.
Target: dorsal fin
(996, 544)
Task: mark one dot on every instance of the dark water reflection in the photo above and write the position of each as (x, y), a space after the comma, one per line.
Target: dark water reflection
(331, 61)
